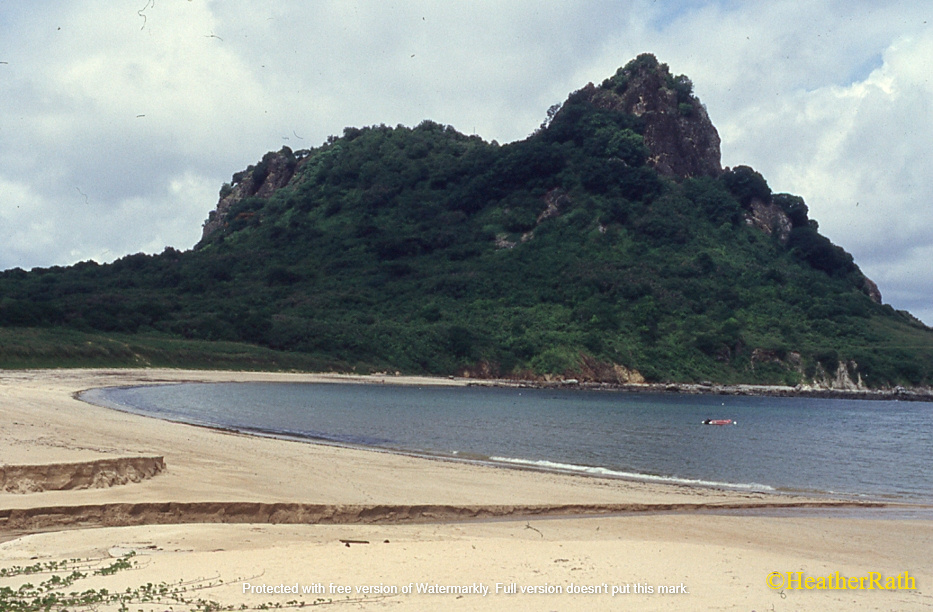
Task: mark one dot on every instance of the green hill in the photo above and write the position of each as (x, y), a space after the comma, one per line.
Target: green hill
(608, 245)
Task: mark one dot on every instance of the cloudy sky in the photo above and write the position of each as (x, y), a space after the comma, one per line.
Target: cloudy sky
(120, 119)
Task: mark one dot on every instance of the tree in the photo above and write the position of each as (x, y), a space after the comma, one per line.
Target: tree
(745, 184)
(794, 207)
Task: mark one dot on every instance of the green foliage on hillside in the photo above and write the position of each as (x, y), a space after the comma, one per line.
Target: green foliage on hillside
(428, 251)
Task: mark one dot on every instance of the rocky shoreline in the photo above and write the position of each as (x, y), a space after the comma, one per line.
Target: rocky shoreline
(919, 394)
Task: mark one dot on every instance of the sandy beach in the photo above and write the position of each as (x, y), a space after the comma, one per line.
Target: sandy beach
(239, 519)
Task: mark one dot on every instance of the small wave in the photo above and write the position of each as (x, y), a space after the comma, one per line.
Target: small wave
(602, 471)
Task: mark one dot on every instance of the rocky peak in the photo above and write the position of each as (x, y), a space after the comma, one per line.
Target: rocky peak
(681, 140)
(273, 172)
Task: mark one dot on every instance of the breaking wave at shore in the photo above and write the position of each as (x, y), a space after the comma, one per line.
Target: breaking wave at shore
(609, 473)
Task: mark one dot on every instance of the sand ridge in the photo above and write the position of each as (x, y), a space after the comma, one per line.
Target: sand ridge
(40, 518)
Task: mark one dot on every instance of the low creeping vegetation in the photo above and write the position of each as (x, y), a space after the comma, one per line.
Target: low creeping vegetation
(52, 592)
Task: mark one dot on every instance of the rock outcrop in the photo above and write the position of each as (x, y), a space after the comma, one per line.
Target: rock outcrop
(557, 200)
(593, 370)
(871, 290)
(681, 140)
(272, 173)
(840, 380)
(769, 218)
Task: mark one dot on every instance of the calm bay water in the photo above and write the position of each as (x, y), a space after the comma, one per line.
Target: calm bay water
(869, 449)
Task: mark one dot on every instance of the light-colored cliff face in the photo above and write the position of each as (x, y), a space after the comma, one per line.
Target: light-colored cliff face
(769, 218)
(840, 380)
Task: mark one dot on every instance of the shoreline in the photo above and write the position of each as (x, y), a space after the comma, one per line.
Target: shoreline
(257, 509)
(921, 394)
(910, 394)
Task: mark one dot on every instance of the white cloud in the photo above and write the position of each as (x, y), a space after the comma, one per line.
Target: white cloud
(75, 226)
(24, 229)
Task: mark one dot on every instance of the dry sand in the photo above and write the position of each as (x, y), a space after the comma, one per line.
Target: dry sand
(82, 481)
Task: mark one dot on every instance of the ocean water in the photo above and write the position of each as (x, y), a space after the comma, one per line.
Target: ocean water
(879, 450)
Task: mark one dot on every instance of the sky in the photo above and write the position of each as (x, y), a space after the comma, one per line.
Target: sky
(120, 119)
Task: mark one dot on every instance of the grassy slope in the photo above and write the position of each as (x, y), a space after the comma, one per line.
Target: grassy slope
(64, 348)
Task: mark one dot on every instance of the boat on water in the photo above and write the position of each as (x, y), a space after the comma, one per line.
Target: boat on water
(719, 422)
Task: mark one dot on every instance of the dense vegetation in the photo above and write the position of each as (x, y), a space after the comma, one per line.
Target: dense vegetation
(428, 251)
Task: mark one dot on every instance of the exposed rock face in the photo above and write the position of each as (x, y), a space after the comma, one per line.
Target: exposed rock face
(871, 290)
(840, 380)
(770, 219)
(502, 242)
(591, 370)
(557, 200)
(680, 137)
(791, 360)
(262, 180)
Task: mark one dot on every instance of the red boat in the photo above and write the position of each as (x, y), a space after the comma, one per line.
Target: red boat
(719, 422)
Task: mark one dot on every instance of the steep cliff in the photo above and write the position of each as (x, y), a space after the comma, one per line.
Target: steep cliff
(273, 172)
(681, 140)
